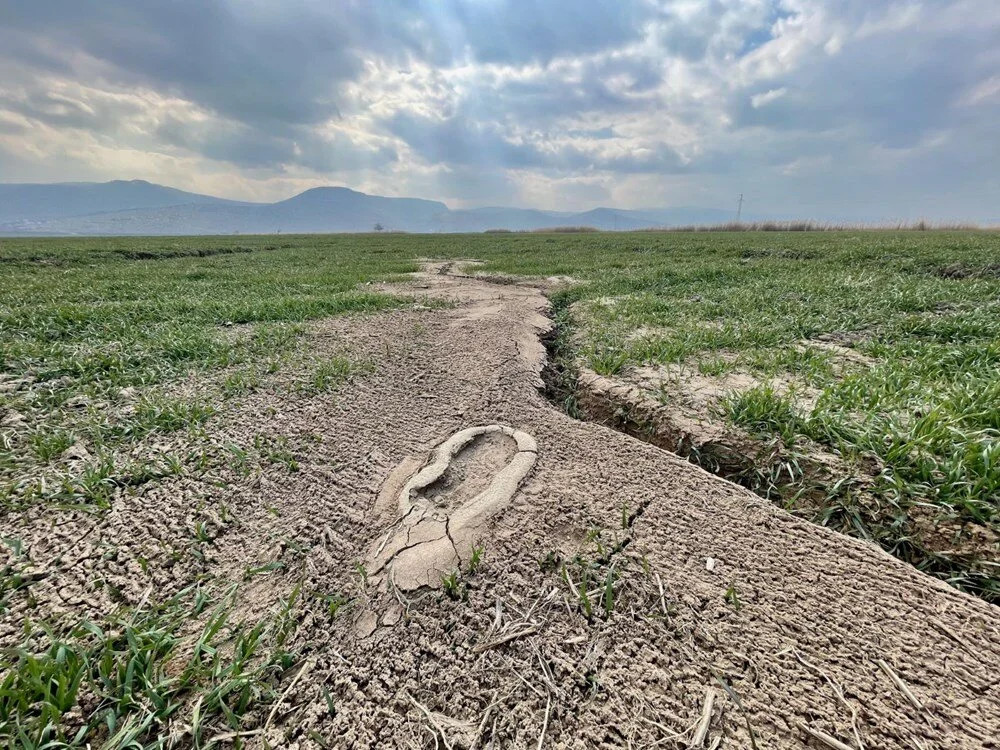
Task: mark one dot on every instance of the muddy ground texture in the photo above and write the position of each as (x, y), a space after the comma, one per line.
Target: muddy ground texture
(676, 408)
(540, 582)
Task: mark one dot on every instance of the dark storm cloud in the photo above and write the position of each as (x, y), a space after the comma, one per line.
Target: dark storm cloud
(506, 96)
(236, 144)
(248, 61)
(269, 70)
(284, 61)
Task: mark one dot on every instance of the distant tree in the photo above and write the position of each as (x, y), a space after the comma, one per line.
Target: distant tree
(379, 227)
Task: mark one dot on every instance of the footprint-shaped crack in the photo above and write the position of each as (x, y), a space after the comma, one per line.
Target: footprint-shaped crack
(432, 536)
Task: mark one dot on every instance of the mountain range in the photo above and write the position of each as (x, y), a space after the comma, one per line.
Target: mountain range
(138, 207)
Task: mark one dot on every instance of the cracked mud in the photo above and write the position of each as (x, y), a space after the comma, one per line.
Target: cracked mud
(440, 519)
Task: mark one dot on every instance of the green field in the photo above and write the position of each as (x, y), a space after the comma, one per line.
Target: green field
(885, 345)
(108, 349)
(90, 317)
(913, 413)
(920, 401)
(87, 325)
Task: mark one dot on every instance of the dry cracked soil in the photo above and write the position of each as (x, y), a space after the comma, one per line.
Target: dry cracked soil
(539, 582)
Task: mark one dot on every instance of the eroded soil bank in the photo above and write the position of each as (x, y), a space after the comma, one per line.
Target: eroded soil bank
(619, 596)
(718, 420)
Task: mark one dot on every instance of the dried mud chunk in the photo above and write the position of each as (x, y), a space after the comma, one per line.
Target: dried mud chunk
(446, 506)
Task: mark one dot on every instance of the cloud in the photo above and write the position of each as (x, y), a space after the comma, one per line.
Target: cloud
(830, 107)
(762, 100)
(257, 62)
(868, 84)
(984, 91)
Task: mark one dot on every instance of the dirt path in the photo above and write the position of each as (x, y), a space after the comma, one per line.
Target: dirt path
(699, 592)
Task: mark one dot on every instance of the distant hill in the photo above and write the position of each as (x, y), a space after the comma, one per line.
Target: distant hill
(29, 203)
(142, 208)
(342, 210)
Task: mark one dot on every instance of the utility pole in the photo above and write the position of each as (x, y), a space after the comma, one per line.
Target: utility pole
(739, 208)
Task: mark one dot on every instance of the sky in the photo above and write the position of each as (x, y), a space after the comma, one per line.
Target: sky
(824, 109)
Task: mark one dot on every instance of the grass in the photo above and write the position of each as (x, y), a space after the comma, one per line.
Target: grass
(275, 451)
(159, 414)
(112, 352)
(762, 410)
(330, 374)
(240, 382)
(143, 676)
(48, 444)
(95, 333)
(878, 347)
(475, 559)
(452, 585)
(890, 341)
(732, 597)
